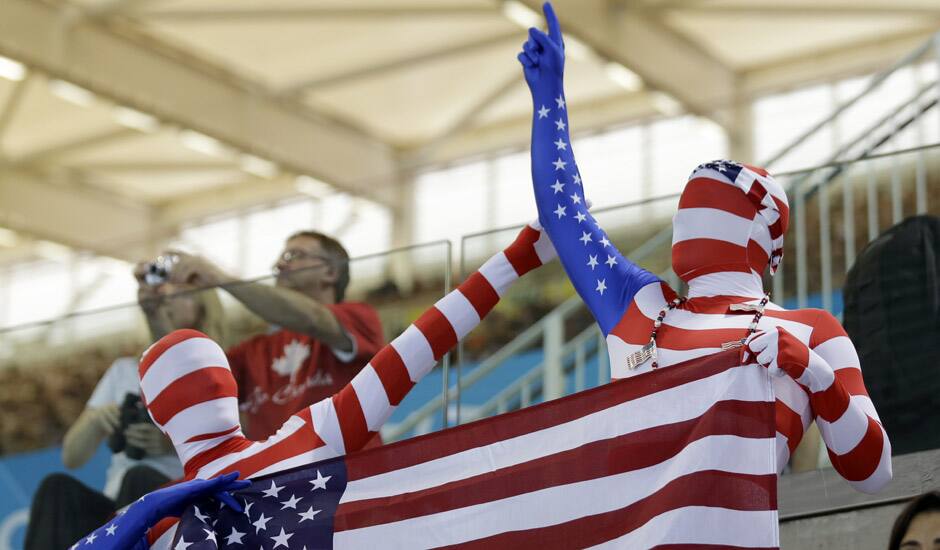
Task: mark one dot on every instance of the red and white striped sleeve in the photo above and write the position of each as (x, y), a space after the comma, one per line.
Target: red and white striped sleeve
(857, 443)
(351, 417)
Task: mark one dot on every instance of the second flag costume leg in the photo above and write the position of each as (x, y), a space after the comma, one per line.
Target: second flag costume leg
(728, 229)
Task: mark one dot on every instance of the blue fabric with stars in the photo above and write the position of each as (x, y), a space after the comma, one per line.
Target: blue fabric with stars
(605, 279)
(291, 509)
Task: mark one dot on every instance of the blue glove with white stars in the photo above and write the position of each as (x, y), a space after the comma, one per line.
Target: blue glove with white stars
(128, 531)
(605, 279)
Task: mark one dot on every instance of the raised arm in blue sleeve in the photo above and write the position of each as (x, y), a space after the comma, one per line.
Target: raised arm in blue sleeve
(604, 278)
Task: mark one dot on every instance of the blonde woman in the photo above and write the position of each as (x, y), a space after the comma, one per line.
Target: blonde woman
(143, 458)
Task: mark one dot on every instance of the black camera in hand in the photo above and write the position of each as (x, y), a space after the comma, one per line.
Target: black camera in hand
(132, 411)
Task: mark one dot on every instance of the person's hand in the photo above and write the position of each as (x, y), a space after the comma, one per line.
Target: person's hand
(148, 296)
(785, 355)
(128, 530)
(107, 418)
(194, 270)
(149, 438)
(543, 55)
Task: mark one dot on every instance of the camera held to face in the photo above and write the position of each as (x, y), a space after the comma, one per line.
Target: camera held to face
(158, 271)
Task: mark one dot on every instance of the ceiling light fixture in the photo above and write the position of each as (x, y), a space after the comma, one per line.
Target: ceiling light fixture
(135, 119)
(71, 93)
(259, 166)
(666, 104)
(624, 77)
(12, 70)
(204, 144)
(312, 187)
(520, 14)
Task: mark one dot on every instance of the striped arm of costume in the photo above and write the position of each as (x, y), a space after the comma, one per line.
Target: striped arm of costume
(346, 421)
(605, 279)
(829, 371)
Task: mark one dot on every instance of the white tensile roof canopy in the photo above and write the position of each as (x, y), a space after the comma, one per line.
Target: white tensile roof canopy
(128, 118)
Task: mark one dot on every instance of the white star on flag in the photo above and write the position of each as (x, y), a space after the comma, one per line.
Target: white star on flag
(200, 515)
(290, 503)
(560, 211)
(592, 262)
(182, 544)
(111, 529)
(281, 540)
(576, 199)
(601, 286)
(309, 514)
(320, 481)
(261, 524)
(559, 124)
(91, 538)
(248, 509)
(558, 186)
(560, 164)
(560, 101)
(235, 537)
(611, 261)
(585, 238)
(577, 179)
(272, 491)
(580, 217)
(560, 144)
(605, 242)
(543, 112)
(210, 535)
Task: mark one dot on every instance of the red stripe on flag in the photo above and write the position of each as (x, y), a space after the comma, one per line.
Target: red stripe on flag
(204, 437)
(521, 253)
(625, 453)
(709, 488)
(491, 430)
(164, 344)
(789, 424)
(205, 384)
(480, 293)
(715, 255)
(352, 421)
(851, 379)
(438, 331)
(391, 370)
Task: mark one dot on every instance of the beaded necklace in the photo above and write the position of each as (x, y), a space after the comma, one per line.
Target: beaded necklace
(649, 351)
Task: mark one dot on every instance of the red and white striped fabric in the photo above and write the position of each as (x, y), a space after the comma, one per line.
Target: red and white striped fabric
(720, 248)
(192, 396)
(681, 456)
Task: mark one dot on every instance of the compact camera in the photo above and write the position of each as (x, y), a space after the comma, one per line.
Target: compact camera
(133, 411)
(158, 271)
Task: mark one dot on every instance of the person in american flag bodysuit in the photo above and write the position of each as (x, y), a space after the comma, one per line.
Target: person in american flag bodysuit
(191, 395)
(729, 228)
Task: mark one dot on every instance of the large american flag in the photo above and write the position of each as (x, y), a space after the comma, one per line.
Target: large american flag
(677, 456)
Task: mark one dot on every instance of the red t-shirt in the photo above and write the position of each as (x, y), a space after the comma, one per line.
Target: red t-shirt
(280, 373)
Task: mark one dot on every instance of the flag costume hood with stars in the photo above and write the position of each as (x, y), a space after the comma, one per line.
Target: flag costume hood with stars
(729, 227)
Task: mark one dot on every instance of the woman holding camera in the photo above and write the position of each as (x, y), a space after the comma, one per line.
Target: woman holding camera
(143, 459)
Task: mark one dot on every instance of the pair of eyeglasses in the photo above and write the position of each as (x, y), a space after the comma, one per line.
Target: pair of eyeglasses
(290, 255)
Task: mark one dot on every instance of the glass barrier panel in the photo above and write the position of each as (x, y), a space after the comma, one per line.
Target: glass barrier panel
(49, 370)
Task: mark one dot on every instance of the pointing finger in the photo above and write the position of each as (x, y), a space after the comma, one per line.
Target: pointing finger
(554, 28)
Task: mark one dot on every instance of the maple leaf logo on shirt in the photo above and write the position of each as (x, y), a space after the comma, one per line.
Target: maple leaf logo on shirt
(295, 354)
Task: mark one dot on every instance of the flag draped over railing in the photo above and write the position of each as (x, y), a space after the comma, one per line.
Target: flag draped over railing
(682, 455)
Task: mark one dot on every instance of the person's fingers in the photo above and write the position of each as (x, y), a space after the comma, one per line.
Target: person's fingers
(524, 59)
(531, 48)
(554, 27)
(229, 501)
(109, 417)
(544, 43)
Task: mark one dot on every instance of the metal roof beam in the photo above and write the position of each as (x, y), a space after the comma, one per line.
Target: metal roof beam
(136, 70)
(398, 64)
(665, 60)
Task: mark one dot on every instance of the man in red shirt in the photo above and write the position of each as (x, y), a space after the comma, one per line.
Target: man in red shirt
(319, 342)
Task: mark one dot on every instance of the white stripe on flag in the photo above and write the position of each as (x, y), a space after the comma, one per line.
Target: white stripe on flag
(672, 405)
(460, 312)
(564, 503)
(499, 272)
(179, 360)
(703, 525)
(326, 425)
(372, 397)
(288, 429)
(415, 352)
